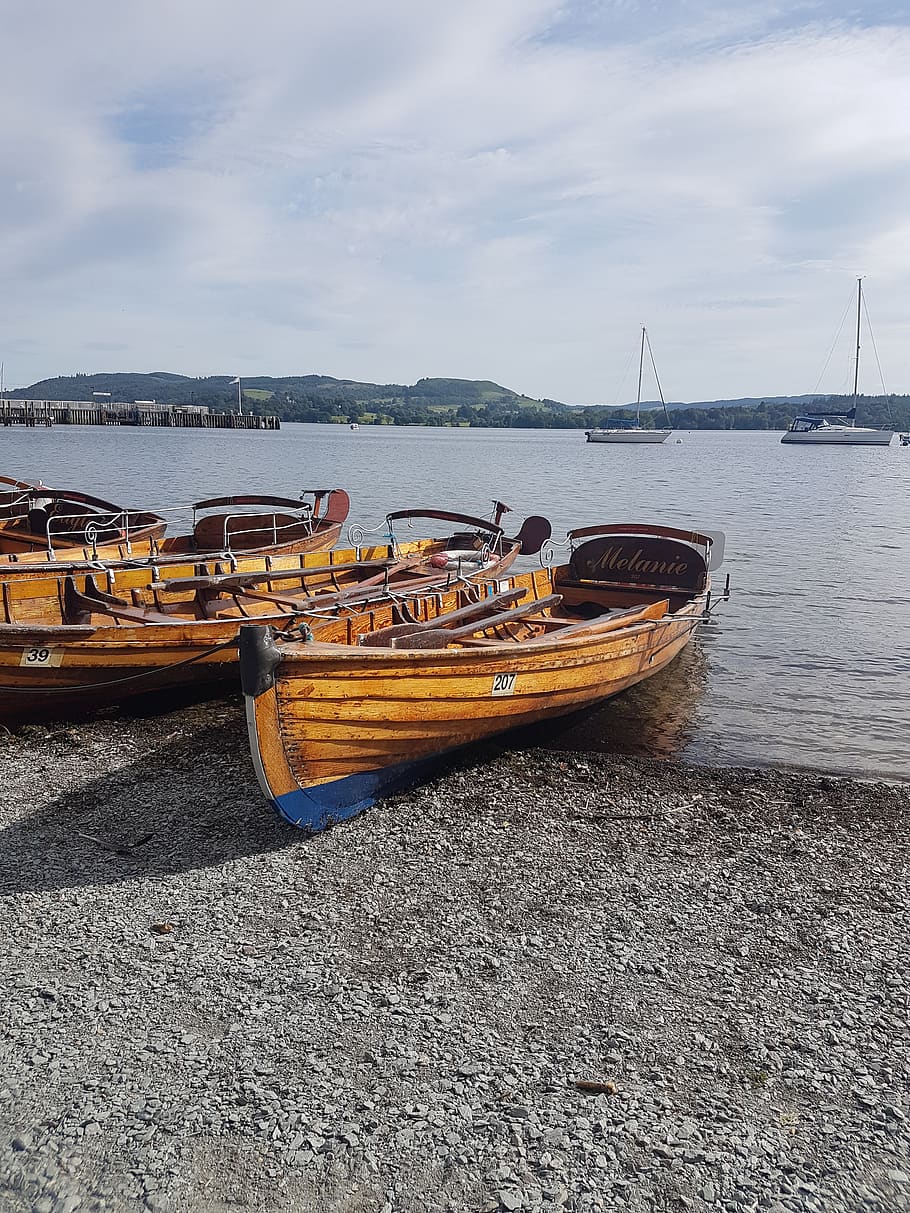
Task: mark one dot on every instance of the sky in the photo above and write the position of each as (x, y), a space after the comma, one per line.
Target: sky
(491, 189)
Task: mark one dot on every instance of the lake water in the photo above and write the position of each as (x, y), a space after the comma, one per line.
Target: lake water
(807, 665)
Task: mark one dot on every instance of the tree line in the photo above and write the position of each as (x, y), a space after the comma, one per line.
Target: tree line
(441, 402)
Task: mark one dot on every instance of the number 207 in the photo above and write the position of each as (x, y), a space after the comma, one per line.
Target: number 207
(503, 684)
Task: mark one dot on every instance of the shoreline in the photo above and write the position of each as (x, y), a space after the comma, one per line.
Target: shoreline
(202, 1009)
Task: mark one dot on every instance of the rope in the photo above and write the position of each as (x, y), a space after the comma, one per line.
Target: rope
(833, 344)
(93, 686)
(878, 363)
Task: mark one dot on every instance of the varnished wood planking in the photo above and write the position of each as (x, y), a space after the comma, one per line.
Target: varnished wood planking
(350, 724)
(109, 660)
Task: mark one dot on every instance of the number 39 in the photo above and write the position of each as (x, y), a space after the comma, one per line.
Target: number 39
(36, 657)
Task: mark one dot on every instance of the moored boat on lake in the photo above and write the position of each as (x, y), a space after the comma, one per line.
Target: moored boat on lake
(74, 641)
(338, 717)
(814, 428)
(624, 430)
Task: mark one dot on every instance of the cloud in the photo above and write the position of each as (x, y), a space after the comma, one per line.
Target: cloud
(496, 190)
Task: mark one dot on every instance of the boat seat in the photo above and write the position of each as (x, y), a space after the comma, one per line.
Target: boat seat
(561, 620)
(78, 606)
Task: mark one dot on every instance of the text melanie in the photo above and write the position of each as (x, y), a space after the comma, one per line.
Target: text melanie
(614, 559)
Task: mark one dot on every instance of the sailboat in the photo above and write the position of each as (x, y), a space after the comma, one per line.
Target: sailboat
(814, 427)
(625, 431)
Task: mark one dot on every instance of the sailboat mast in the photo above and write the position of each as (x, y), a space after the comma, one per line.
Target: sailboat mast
(859, 309)
(641, 365)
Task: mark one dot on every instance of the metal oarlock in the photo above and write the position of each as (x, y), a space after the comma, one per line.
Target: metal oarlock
(357, 534)
(548, 550)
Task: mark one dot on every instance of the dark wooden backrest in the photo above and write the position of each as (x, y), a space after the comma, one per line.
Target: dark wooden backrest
(649, 561)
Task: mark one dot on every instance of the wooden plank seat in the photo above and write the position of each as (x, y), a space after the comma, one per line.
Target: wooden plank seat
(79, 605)
(474, 610)
(439, 638)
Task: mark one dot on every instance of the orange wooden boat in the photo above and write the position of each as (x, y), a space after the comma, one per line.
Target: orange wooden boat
(53, 528)
(71, 642)
(349, 712)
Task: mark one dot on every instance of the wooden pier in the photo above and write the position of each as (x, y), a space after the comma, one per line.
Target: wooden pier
(34, 413)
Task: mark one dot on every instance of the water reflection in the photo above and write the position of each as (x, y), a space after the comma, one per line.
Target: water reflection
(656, 718)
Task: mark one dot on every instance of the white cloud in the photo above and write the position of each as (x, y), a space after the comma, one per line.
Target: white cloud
(502, 190)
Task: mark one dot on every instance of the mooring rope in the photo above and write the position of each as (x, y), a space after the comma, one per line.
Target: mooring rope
(113, 682)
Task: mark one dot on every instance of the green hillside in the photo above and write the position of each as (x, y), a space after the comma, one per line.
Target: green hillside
(440, 402)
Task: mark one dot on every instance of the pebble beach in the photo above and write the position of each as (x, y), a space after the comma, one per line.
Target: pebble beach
(540, 981)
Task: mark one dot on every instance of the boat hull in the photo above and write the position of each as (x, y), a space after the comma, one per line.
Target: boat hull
(849, 436)
(53, 668)
(626, 436)
(340, 726)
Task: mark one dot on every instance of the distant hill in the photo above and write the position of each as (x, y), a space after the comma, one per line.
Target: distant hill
(438, 401)
(742, 402)
(217, 390)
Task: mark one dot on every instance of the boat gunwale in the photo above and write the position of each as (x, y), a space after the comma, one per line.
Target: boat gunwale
(310, 651)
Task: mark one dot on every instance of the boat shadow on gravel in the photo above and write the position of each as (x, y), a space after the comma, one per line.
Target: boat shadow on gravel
(189, 801)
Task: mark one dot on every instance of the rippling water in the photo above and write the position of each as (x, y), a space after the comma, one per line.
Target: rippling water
(808, 665)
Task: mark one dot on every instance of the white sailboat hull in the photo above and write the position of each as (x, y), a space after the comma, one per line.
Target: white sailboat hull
(629, 435)
(832, 435)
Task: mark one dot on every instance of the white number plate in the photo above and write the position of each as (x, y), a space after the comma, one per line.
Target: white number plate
(41, 657)
(504, 684)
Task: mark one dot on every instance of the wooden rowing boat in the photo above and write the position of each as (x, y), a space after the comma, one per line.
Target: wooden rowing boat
(340, 717)
(61, 529)
(72, 642)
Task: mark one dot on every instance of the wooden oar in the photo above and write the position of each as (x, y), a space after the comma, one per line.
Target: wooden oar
(474, 610)
(238, 580)
(363, 594)
(438, 638)
(608, 623)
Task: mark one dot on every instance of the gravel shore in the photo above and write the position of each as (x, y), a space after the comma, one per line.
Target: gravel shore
(200, 1009)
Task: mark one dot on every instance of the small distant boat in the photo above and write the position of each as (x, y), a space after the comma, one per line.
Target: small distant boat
(814, 428)
(627, 431)
(905, 439)
(337, 720)
(354, 425)
(54, 528)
